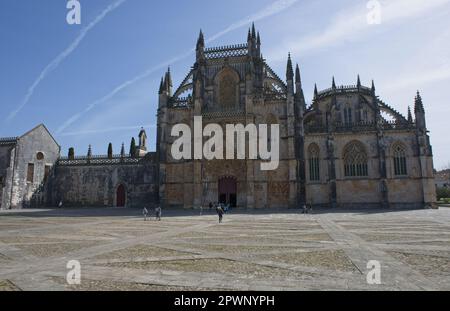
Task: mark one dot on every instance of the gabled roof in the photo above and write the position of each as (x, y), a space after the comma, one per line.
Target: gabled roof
(45, 128)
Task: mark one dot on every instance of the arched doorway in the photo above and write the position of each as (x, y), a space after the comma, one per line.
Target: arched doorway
(120, 196)
(228, 191)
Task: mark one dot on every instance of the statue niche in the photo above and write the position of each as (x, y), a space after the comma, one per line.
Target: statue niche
(227, 92)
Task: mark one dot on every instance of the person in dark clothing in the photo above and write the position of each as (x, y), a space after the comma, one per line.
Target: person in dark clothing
(220, 212)
(305, 209)
(158, 213)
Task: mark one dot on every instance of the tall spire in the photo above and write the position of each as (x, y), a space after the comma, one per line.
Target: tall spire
(333, 84)
(169, 75)
(418, 104)
(168, 78)
(253, 31)
(298, 78)
(161, 86)
(289, 69)
(168, 82)
(258, 39)
(249, 36)
(200, 48)
(358, 83)
(165, 82)
(201, 40)
(410, 118)
(299, 89)
(373, 87)
(316, 93)
(420, 113)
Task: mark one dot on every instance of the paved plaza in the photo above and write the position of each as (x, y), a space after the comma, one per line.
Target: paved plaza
(264, 250)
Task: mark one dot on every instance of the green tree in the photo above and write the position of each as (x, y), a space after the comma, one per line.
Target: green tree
(133, 148)
(442, 193)
(110, 151)
(71, 154)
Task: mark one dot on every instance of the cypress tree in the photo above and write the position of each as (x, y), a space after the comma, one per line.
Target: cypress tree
(71, 154)
(133, 148)
(110, 151)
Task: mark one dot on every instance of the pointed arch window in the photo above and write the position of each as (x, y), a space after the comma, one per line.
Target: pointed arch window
(227, 88)
(355, 160)
(400, 167)
(314, 162)
(348, 119)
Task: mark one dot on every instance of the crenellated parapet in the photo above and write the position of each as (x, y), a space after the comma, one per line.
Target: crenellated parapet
(343, 89)
(8, 140)
(104, 160)
(236, 50)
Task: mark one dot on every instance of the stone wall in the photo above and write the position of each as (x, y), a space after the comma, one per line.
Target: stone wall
(36, 152)
(403, 191)
(97, 185)
(6, 161)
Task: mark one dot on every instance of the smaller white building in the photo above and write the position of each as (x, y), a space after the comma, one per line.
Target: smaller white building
(26, 162)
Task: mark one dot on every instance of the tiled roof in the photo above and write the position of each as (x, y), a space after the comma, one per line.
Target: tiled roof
(443, 175)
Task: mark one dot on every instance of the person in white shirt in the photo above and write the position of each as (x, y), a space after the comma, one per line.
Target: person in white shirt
(145, 213)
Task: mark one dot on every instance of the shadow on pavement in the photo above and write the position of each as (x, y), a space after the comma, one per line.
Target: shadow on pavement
(135, 212)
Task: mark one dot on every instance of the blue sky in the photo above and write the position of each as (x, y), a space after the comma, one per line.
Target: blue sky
(97, 82)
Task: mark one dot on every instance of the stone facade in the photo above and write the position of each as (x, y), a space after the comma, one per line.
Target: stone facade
(33, 174)
(347, 149)
(100, 181)
(26, 164)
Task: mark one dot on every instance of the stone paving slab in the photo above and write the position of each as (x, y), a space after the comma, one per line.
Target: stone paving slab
(251, 250)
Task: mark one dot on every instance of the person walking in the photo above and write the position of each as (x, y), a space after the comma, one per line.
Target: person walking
(220, 212)
(158, 213)
(145, 213)
(210, 206)
(305, 209)
(310, 208)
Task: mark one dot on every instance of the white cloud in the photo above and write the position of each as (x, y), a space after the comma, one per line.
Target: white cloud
(416, 79)
(106, 130)
(118, 89)
(352, 23)
(429, 64)
(61, 57)
(274, 8)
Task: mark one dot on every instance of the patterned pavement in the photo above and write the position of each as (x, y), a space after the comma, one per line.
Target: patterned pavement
(264, 250)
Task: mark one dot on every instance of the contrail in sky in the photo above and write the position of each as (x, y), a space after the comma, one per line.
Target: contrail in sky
(272, 9)
(107, 130)
(61, 57)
